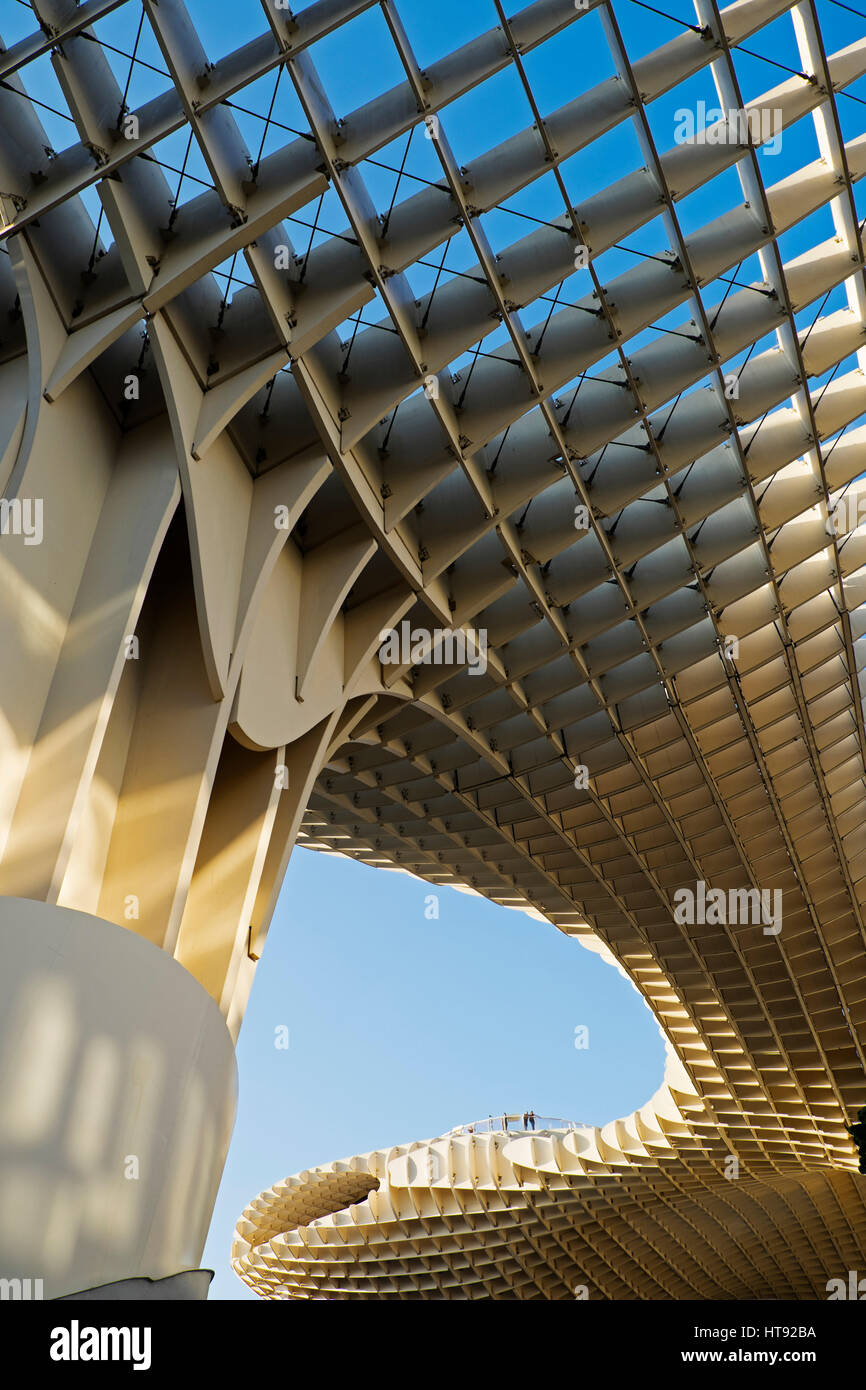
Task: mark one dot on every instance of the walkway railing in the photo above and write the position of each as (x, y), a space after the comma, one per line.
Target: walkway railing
(514, 1124)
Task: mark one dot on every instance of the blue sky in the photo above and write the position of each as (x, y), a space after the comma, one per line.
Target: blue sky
(401, 1027)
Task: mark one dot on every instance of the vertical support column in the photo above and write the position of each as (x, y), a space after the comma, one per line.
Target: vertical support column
(117, 1099)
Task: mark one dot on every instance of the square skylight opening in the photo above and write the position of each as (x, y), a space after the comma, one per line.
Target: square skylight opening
(357, 62)
(602, 163)
(231, 275)
(249, 107)
(434, 31)
(372, 314)
(821, 307)
(444, 263)
(318, 221)
(786, 150)
(498, 339)
(515, 217)
(616, 261)
(679, 323)
(401, 170)
(572, 61)
(768, 343)
(417, 158)
(712, 200)
(805, 235)
(644, 31)
(224, 28)
(679, 115)
(123, 34)
(767, 59)
(569, 294)
(487, 115)
(747, 275)
(183, 167)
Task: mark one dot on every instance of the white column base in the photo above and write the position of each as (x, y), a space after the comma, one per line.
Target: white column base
(118, 1085)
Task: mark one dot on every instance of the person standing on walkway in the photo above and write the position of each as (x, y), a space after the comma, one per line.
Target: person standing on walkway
(532, 1119)
(526, 1119)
